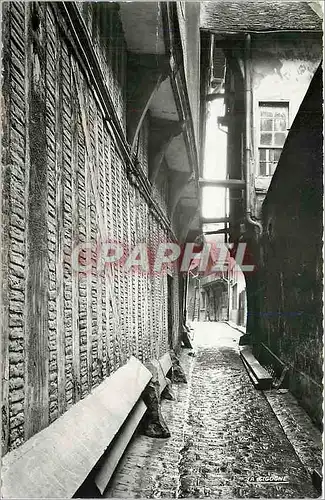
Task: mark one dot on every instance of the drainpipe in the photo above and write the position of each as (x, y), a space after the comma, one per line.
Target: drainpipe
(186, 296)
(199, 312)
(211, 59)
(248, 110)
(228, 286)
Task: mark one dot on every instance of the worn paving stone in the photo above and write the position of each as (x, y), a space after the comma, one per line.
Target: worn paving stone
(305, 438)
(225, 439)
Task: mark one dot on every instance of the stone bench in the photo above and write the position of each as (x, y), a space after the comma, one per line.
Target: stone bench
(56, 461)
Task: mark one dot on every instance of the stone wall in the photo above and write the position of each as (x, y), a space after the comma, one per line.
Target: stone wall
(238, 287)
(282, 69)
(64, 331)
(290, 270)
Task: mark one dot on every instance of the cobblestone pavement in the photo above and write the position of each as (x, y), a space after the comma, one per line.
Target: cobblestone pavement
(305, 438)
(226, 441)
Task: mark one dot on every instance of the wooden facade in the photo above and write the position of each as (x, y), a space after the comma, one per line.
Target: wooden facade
(68, 178)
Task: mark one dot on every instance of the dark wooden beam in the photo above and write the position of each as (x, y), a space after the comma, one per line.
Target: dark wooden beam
(145, 73)
(227, 183)
(36, 264)
(162, 132)
(219, 231)
(213, 97)
(186, 220)
(215, 220)
(178, 182)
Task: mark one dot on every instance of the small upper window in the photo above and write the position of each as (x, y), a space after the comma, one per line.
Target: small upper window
(273, 126)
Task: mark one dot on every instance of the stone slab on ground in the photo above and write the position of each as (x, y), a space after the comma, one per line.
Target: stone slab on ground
(240, 328)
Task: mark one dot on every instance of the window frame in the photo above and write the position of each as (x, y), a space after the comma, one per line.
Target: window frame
(284, 104)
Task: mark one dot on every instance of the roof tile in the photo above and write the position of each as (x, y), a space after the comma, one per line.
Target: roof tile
(223, 16)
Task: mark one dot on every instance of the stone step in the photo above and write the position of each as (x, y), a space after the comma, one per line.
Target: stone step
(259, 376)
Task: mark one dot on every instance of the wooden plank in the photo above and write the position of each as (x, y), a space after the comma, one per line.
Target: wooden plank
(262, 376)
(113, 455)
(98, 273)
(59, 209)
(108, 225)
(258, 370)
(5, 223)
(162, 304)
(75, 241)
(55, 462)
(251, 374)
(134, 278)
(88, 278)
(36, 402)
(105, 296)
(120, 333)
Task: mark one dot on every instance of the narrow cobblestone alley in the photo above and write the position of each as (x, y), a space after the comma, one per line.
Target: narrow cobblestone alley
(225, 439)
(161, 249)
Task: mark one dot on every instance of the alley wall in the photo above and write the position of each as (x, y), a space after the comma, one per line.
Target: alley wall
(290, 289)
(237, 297)
(65, 331)
(282, 68)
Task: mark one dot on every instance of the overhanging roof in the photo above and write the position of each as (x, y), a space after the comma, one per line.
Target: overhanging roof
(224, 16)
(142, 26)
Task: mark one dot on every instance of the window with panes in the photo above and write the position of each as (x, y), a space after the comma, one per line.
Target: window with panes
(273, 127)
